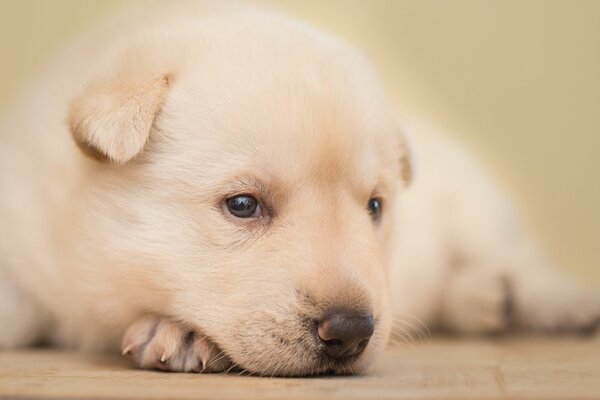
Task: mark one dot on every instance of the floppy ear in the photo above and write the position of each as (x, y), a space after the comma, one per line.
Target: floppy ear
(112, 118)
(406, 163)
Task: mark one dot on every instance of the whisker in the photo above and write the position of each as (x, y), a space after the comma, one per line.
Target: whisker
(218, 357)
(404, 334)
(420, 322)
(410, 329)
(228, 370)
(414, 331)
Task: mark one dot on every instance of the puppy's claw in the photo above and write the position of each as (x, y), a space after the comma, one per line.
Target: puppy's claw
(164, 344)
(127, 351)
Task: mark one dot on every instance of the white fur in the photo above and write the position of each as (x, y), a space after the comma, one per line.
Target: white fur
(87, 247)
(462, 250)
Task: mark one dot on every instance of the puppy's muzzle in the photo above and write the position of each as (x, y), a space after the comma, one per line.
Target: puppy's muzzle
(344, 334)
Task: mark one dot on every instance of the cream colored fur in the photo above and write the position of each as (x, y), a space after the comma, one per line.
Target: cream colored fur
(178, 107)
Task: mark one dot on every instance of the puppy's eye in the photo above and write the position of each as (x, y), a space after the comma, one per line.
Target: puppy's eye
(244, 206)
(374, 207)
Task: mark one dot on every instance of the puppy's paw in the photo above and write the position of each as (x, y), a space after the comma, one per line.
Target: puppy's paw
(154, 342)
(477, 301)
(563, 309)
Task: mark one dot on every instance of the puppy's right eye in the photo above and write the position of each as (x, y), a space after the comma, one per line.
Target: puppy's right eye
(244, 206)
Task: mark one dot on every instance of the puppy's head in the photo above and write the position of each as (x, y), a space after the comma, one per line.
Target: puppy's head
(247, 172)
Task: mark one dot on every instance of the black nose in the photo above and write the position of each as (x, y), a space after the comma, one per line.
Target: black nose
(345, 334)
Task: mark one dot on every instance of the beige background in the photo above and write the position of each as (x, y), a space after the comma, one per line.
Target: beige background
(517, 81)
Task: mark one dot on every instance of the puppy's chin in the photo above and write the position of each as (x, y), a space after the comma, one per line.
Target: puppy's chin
(309, 366)
(293, 357)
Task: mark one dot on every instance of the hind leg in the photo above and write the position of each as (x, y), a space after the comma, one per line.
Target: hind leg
(547, 300)
(21, 320)
(524, 293)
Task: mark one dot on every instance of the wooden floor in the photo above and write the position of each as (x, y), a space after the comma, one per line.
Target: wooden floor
(517, 368)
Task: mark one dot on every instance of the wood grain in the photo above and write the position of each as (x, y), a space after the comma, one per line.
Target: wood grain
(515, 368)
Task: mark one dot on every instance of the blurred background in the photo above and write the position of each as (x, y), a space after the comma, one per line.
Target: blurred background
(517, 81)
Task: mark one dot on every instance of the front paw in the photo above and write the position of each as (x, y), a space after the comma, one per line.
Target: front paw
(154, 342)
(478, 301)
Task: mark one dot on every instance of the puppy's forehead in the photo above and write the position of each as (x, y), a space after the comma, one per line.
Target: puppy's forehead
(332, 146)
(308, 137)
(306, 112)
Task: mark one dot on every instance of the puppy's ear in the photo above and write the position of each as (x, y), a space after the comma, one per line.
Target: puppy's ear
(112, 119)
(406, 163)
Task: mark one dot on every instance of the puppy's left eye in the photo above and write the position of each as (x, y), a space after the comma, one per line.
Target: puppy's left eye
(374, 207)
(244, 206)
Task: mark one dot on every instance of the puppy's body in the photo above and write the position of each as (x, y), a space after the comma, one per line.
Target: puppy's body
(460, 241)
(182, 107)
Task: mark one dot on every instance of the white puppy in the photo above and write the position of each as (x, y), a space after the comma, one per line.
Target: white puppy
(241, 198)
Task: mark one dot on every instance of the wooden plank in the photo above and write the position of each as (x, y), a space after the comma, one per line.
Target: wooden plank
(516, 368)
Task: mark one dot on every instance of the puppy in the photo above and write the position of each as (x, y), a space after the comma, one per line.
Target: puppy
(211, 187)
